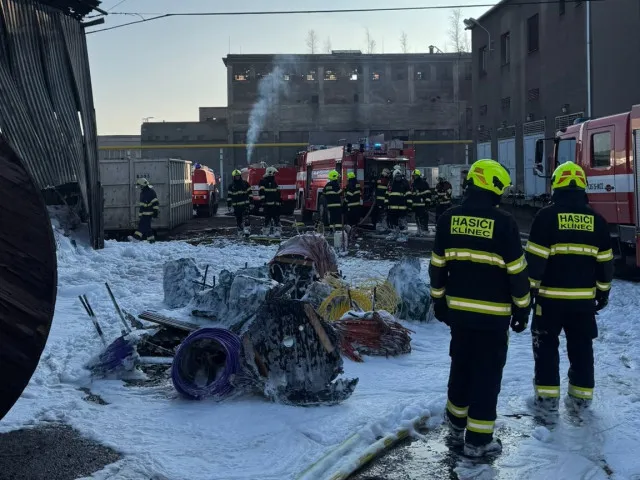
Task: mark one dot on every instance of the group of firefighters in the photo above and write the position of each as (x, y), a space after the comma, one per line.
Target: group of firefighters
(482, 282)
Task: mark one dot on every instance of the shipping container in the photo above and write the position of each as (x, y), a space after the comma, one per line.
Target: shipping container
(170, 178)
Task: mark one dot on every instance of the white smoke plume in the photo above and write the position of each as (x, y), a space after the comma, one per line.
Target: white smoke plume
(271, 89)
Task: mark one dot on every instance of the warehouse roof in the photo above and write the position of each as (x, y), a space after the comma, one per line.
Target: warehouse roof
(74, 8)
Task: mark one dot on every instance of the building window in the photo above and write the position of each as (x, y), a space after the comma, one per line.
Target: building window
(483, 110)
(601, 149)
(286, 77)
(314, 98)
(420, 76)
(505, 48)
(375, 76)
(356, 98)
(353, 76)
(533, 33)
(561, 6)
(311, 75)
(534, 94)
(482, 60)
(330, 75)
(242, 76)
(185, 138)
(200, 138)
(505, 104)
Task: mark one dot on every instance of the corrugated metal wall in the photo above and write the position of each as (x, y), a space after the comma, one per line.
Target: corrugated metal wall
(46, 102)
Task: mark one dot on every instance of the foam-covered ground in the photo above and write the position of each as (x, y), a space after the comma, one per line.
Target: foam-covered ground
(163, 436)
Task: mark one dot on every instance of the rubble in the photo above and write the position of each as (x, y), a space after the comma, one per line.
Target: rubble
(179, 282)
(413, 291)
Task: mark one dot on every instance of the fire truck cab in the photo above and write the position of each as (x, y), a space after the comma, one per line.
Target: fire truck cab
(608, 150)
(367, 162)
(204, 194)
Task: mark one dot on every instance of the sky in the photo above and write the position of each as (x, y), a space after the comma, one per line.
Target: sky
(168, 68)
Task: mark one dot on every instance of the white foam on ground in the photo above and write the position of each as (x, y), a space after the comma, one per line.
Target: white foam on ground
(169, 437)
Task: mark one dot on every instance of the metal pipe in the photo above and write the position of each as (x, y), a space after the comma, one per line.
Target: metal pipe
(588, 33)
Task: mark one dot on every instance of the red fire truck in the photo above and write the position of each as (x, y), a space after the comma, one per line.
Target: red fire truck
(367, 162)
(608, 149)
(286, 179)
(204, 194)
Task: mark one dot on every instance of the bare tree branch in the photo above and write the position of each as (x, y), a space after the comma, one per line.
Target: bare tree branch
(404, 42)
(312, 41)
(459, 40)
(371, 43)
(327, 45)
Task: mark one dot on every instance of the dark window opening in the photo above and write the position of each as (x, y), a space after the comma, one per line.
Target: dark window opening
(533, 33)
(482, 60)
(356, 98)
(505, 104)
(505, 48)
(601, 149)
(533, 94)
(483, 110)
(314, 98)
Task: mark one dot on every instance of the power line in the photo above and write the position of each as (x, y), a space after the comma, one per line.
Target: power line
(116, 5)
(301, 12)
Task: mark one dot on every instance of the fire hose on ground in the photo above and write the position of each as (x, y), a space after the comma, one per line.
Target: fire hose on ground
(205, 363)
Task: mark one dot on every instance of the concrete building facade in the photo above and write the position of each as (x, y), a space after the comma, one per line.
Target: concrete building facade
(124, 141)
(348, 94)
(530, 75)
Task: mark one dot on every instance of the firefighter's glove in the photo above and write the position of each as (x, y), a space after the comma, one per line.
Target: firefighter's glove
(520, 320)
(602, 300)
(441, 310)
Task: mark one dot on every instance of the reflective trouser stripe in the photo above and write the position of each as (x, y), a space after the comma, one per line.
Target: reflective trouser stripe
(145, 213)
(568, 293)
(460, 412)
(334, 205)
(580, 392)
(478, 306)
(437, 292)
(534, 283)
(137, 234)
(394, 207)
(547, 391)
(605, 287)
(480, 426)
(353, 204)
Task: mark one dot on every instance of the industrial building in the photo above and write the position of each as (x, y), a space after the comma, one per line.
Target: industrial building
(348, 95)
(324, 100)
(530, 75)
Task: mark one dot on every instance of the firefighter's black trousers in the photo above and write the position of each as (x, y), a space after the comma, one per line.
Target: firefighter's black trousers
(353, 215)
(422, 217)
(441, 208)
(477, 360)
(335, 217)
(272, 215)
(242, 216)
(580, 330)
(396, 218)
(144, 231)
(376, 214)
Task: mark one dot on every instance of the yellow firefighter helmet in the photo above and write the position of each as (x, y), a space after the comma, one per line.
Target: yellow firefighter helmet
(489, 175)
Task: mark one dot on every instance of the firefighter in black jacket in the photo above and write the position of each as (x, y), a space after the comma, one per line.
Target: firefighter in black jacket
(333, 196)
(570, 268)
(444, 190)
(149, 208)
(479, 286)
(421, 201)
(380, 192)
(352, 199)
(239, 193)
(270, 199)
(398, 203)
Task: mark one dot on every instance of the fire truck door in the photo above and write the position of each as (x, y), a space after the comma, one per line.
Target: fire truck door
(601, 175)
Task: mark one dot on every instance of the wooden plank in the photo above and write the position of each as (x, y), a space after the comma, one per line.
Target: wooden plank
(28, 276)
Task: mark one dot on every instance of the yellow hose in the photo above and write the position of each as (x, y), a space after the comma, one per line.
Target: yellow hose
(344, 298)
